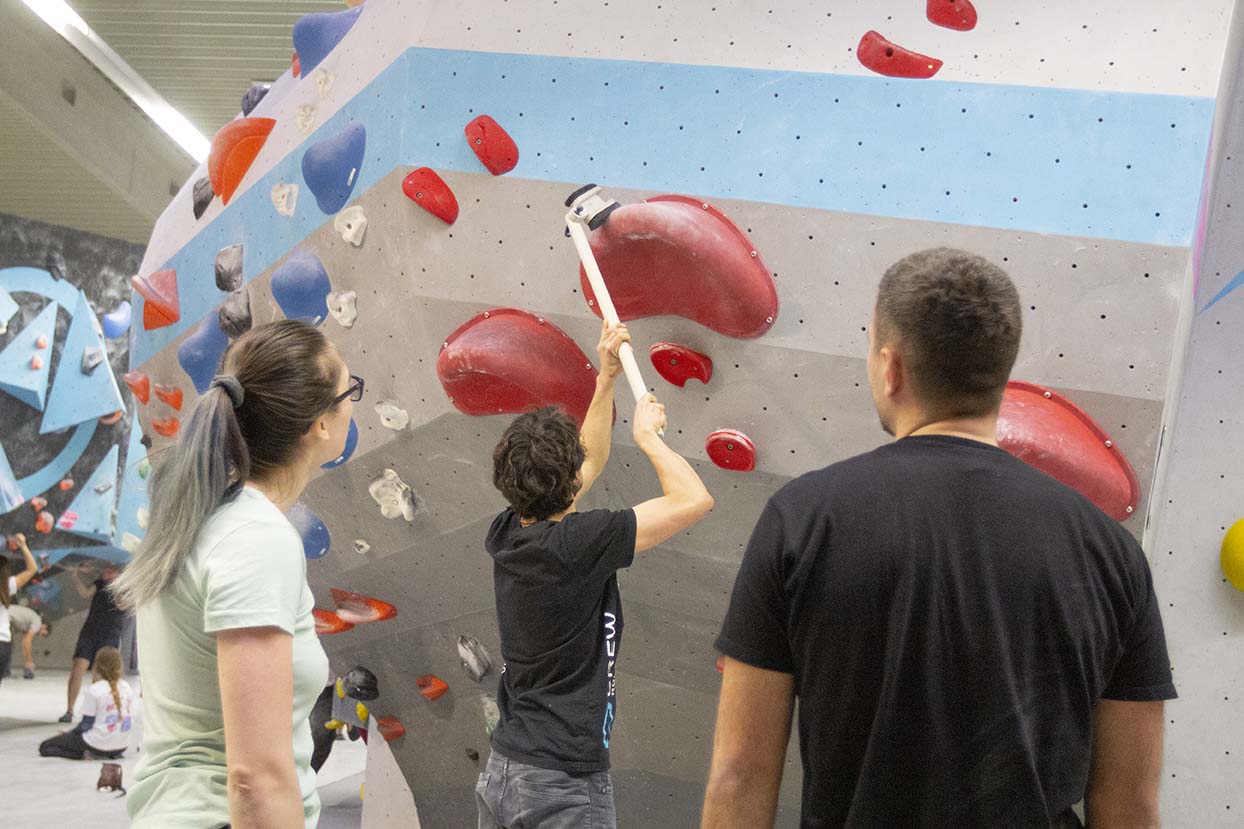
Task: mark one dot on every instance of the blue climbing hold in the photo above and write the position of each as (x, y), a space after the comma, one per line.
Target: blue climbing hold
(301, 287)
(75, 396)
(24, 366)
(352, 441)
(331, 166)
(8, 307)
(90, 514)
(117, 321)
(200, 353)
(133, 487)
(315, 35)
(315, 537)
(11, 496)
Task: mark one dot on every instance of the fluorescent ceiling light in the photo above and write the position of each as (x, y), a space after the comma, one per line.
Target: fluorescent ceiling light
(66, 22)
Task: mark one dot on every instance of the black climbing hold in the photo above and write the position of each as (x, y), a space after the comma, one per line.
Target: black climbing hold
(474, 755)
(360, 684)
(145, 441)
(252, 96)
(92, 356)
(229, 268)
(55, 264)
(235, 314)
(203, 195)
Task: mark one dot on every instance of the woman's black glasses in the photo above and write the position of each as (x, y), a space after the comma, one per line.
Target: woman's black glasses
(354, 392)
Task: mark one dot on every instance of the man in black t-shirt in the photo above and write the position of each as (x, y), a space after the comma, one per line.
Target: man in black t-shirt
(102, 628)
(558, 608)
(971, 642)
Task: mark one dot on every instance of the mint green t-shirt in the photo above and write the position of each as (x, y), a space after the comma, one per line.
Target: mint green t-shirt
(247, 569)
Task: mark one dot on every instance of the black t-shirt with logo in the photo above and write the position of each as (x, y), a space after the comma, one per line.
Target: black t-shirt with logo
(950, 616)
(560, 617)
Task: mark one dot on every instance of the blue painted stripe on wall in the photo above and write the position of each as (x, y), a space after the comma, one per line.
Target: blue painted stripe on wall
(1022, 158)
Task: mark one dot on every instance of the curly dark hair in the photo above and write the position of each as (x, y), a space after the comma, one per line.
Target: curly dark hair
(536, 465)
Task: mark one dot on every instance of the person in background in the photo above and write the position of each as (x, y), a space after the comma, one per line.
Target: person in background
(107, 715)
(231, 662)
(9, 585)
(102, 628)
(971, 642)
(29, 624)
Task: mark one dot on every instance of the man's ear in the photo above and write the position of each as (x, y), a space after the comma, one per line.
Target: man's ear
(892, 371)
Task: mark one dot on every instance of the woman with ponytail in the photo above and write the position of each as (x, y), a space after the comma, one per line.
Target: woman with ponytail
(231, 661)
(107, 714)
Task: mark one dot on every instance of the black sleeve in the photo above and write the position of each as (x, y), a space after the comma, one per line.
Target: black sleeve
(1143, 672)
(755, 627)
(599, 543)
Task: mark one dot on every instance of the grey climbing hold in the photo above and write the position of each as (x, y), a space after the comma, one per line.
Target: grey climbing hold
(252, 96)
(285, 198)
(235, 314)
(351, 223)
(475, 658)
(92, 356)
(103, 487)
(304, 117)
(203, 195)
(229, 268)
(361, 547)
(361, 684)
(55, 264)
(392, 416)
(343, 306)
(393, 495)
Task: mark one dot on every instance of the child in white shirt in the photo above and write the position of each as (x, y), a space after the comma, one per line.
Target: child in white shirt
(107, 715)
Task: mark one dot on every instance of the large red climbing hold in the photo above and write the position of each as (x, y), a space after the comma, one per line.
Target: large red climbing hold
(234, 147)
(390, 727)
(431, 686)
(169, 427)
(44, 522)
(327, 622)
(678, 364)
(892, 60)
(508, 360)
(493, 146)
(169, 394)
(1048, 431)
(959, 15)
(731, 450)
(358, 609)
(674, 255)
(427, 189)
(161, 305)
(140, 385)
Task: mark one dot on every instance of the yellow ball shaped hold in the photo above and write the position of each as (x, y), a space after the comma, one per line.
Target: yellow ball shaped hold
(1233, 554)
(333, 725)
(361, 710)
(341, 689)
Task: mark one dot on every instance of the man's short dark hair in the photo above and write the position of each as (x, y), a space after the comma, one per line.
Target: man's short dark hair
(536, 465)
(957, 318)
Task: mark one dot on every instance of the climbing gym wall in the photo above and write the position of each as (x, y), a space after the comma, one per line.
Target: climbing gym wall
(64, 318)
(403, 187)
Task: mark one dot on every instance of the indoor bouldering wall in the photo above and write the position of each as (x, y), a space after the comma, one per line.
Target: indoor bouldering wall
(403, 188)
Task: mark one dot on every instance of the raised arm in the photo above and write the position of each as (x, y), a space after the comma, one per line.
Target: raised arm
(685, 500)
(32, 567)
(1126, 765)
(597, 431)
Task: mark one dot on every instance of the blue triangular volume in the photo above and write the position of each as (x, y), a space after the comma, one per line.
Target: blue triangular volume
(27, 384)
(133, 487)
(8, 307)
(75, 396)
(10, 493)
(90, 514)
(315, 35)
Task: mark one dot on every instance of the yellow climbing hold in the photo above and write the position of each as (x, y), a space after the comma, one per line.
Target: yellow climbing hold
(1233, 554)
(341, 691)
(333, 725)
(361, 790)
(361, 710)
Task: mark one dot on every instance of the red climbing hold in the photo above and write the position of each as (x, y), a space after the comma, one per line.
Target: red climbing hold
(161, 305)
(169, 427)
(508, 360)
(66, 484)
(110, 419)
(358, 609)
(731, 450)
(41, 342)
(234, 147)
(959, 15)
(295, 65)
(677, 255)
(493, 146)
(38, 503)
(140, 384)
(390, 728)
(428, 190)
(36, 363)
(678, 364)
(45, 522)
(327, 622)
(892, 60)
(169, 394)
(431, 686)
(1048, 431)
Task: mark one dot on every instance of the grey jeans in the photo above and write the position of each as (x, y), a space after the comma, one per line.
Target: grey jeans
(514, 795)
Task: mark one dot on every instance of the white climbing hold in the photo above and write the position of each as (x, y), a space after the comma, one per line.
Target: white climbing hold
(130, 542)
(475, 658)
(304, 117)
(393, 495)
(361, 547)
(343, 306)
(323, 82)
(351, 223)
(392, 416)
(144, 517)
(285, 198)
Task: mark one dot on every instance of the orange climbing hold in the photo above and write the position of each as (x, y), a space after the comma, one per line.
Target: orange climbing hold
(431, 686)
(38, 503)
(140, 384)
(161, 305)
(66, 484)
(41, 342)
(390, 728)
(360, 609)
(234, 147)
(110, 419)
(327, 622)
(36, 363)
(169, 394)
(295, 65)
(169, 427)
(45, 522)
